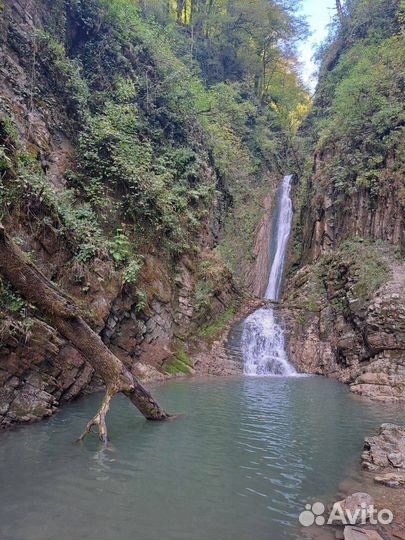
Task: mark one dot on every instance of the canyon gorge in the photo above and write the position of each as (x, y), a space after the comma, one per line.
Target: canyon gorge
(343, 303)
(181, 217)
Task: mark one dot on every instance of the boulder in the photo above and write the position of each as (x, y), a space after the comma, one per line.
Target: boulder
(386, 449)
(393, 480)
(355, 504)
(357, 533)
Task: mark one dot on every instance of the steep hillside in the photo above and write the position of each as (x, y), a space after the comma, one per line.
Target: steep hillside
(132, 173)
(350, 289)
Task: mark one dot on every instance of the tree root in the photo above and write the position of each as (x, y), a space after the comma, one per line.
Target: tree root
(99, 420)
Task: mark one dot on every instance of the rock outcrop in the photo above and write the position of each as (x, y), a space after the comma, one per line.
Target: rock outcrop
(383, 469)
(39, 373)
(354, 504)
(348, 272)
(256, 273)
(327, 223)
(340, 332)
(145, 323)
(385, 453)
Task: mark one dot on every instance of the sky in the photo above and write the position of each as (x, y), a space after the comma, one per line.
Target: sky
(319, 14)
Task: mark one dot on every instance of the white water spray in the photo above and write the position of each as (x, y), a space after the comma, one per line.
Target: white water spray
(263, 342)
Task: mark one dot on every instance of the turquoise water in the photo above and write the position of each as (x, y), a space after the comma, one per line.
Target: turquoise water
(240, 464)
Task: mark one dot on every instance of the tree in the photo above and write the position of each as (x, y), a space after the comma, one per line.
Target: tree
(65, 316)
(235, 40)
(339, 9)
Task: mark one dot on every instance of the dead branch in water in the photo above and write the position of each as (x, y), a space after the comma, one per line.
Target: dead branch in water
(65, 316)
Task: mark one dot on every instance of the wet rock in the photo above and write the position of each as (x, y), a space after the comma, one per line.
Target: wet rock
(392, 480)
(147, 373)
(101, 309)
(399, 533)
(31, 404)
(356, 505)
(360, 341)
(357, 533)
(256, 274)
(38, 371)
(156, 354)
(396, 459)
(386, 447)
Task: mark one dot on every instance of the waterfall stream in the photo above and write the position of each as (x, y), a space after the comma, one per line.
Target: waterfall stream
(263, 342)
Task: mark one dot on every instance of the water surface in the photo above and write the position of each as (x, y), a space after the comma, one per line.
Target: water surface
(240, 465)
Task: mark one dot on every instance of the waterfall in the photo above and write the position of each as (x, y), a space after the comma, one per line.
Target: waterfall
(280, 235)
(263, 341)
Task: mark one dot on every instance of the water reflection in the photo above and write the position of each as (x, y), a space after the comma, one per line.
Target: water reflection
(243, 460)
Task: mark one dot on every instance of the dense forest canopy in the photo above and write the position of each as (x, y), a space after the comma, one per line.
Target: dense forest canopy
(251, 101)
(234, 40)
(174, 109)
(359, 106)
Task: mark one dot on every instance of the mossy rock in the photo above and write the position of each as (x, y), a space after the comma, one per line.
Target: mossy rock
(214, 329)
(181, 364)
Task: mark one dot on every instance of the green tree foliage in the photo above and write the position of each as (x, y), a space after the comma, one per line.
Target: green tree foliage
(223, 82)
(178, 109)
(359, 111)
(155, 186)
(234, 40)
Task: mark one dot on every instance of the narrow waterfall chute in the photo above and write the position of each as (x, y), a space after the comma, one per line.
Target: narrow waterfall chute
(281, 235)
(263, 341)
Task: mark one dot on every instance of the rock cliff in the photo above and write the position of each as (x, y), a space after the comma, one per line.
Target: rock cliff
(144, 306)
(344, 327)
(347, 283)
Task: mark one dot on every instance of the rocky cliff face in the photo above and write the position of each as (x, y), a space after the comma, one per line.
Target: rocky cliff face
(349, 292)
(145, 321)
(256, 272)
(338, 329)
(332, 216)
(346, 285)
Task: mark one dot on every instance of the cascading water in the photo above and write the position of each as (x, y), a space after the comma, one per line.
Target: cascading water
(280, 235)
(263, 342)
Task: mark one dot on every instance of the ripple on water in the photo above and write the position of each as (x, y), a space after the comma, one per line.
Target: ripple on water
(246, 456)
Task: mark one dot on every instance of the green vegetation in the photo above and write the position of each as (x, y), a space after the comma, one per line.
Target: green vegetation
(156, 187)
(359, 110)
(214, 329)
(356, 130)
(11, 301)
(368, 265)
(181, 107)
(27, 186)
(190, 124)
(181, 364)
(212, 278)
(8, 141)
(353, 272)
(65, 74)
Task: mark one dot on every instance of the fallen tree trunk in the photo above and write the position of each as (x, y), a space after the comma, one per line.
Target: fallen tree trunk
(65, 316)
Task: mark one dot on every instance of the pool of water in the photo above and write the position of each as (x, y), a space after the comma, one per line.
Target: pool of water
(240, 464)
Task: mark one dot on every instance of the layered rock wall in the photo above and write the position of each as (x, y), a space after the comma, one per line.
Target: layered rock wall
(331, 216)
(147, 323)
